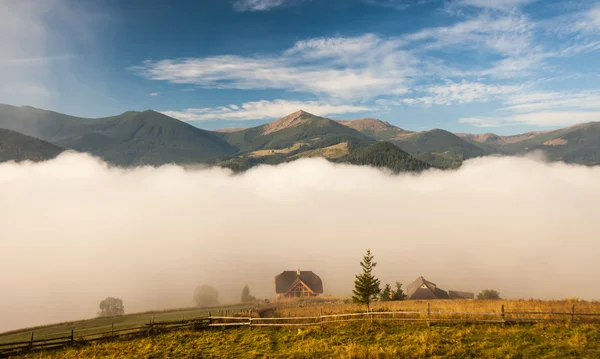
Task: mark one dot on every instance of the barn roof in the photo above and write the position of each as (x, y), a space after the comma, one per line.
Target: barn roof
(285, 279)
(434, 291)
(455, 294)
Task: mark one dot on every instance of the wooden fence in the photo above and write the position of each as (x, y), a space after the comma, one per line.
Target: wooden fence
(250, 320)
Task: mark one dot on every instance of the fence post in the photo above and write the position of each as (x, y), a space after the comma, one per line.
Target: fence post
(31, 342)
(428, 314)
(72, 337)
(502, 314)
(250, 319)
(321, 318)
(573, 313)
(112, 330)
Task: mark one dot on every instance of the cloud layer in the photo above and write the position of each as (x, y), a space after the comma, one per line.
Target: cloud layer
(263, 110)
(73, 231)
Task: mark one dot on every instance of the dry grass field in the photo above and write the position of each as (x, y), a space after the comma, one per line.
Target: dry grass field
(558, 337)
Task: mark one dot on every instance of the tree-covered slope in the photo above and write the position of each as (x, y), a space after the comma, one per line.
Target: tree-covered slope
(438, 141)
(15, 146)
(383, 155)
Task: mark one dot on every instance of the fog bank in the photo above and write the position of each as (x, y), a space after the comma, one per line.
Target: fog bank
(73, 231)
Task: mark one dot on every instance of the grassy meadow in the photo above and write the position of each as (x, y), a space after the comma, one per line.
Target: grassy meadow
(552, 339)
(357, 340)
(101, 325)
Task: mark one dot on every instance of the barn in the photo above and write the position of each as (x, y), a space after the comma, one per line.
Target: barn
(422, 289)
(293, 284)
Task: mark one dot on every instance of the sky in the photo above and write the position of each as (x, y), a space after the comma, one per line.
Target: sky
(502, 66)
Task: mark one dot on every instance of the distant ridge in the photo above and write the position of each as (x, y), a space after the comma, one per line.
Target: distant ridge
(18, 147)
(131, 138)
(152, 138)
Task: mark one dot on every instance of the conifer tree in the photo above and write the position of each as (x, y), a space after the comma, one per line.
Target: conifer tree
(366, 286)
(246, 297)
(398, 294)
(386, 293)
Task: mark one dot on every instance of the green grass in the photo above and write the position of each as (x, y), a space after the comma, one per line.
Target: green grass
(101, 325)
(367, 340)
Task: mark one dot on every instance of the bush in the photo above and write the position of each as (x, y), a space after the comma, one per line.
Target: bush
(488, 294)
(110, 307)
(206, 296)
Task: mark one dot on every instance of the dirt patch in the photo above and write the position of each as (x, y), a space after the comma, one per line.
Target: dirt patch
(556, 142)
(335, 151)
(261, 153)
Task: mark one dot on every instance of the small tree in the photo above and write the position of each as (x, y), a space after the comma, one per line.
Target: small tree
(206, 296)
(398, 294)
(488, 294)
(111, 306)
(386, 293)
(366, 286)
(246, 297)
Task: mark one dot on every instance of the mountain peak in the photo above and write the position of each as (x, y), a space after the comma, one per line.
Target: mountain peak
(293, 119)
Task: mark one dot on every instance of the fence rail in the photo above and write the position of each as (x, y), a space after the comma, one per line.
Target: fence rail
(428, 316)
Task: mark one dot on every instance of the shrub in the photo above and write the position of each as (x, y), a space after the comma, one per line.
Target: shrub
(488, 294)
(111, 306)
(206, 296)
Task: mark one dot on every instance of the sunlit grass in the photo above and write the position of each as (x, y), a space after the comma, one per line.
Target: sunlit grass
(358, 340)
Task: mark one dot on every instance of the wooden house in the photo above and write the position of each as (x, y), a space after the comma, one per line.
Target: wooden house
(293, 284)
(422, 289)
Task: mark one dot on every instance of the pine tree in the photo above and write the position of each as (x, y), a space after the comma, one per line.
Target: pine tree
(366, 286)
(398, 293)
(246, 297)
(386, 293)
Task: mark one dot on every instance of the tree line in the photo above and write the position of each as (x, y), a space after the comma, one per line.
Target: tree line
(367, 287)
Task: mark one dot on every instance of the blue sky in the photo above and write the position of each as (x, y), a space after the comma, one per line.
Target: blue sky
(503, 66)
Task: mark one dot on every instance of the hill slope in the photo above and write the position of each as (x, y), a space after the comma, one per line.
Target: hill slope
(15, 146)
(375, 128)
(301, 135)
(575, 144)
(132, 138)
(438, 141)
(297, 127)
(437, 147)
(384, 155)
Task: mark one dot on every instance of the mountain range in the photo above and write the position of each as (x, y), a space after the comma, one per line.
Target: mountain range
(152, 138)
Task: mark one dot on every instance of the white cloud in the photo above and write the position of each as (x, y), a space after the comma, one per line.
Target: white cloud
(257, 5)
(260, 110)
(565, 100)
(398, 4)
(459, 93)
(361, 67)
(154, 94)
(495, 4)
(544, 118)
(507, 34)
(589, 20)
